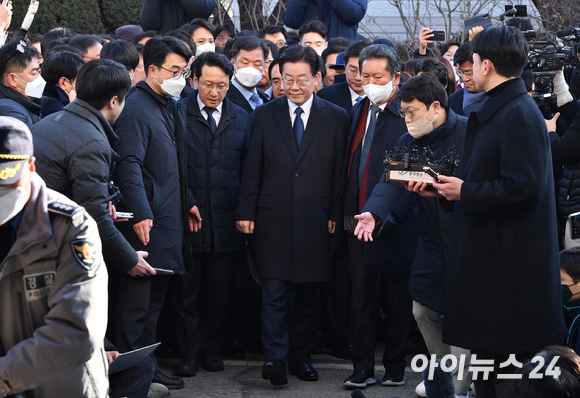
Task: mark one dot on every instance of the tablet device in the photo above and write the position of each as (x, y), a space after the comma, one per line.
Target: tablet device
(129, 359)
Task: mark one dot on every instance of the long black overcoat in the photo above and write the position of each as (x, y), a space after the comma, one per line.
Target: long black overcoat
(291, 194)
(502, 288)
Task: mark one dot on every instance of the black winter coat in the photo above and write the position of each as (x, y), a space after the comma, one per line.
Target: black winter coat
(214, 168)
(434, 224)
(74, 157)
(292, 194)
(32, 108)
(152, 176)
(163, 16)
(502, 287)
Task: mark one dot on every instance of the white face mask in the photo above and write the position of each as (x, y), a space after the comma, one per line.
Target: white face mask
(12, 201)
(422, 126)
(319, 52)
(172, 87)
(378, 94)
(205, 48)
(248, 76)
(35, 88)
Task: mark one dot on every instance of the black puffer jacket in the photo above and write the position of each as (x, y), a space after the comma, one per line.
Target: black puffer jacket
(214, 168)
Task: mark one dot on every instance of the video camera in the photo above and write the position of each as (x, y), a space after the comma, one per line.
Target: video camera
(545, 58)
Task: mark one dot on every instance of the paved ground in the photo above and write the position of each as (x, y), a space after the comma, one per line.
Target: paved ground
(242, 378)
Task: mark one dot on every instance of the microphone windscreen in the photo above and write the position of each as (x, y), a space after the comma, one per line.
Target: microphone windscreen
(566, 32)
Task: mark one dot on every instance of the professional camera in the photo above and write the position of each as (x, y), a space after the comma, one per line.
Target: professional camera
(544, 59)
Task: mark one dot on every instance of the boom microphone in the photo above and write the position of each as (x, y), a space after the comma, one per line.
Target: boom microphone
(568, 32)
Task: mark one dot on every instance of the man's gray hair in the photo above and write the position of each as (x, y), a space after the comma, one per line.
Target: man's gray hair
(377, 51)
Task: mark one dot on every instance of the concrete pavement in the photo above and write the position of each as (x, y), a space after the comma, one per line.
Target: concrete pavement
(242, 378)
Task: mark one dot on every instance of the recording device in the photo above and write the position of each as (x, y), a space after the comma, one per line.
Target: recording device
(545, 58)
(123, 214)
(432, 173)
(164, 271)
(483, 20)
(438, 35)
(114, 194)
(521, 10)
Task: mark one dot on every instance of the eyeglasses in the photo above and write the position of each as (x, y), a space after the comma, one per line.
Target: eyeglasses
(409, 112)
(21, 47)
(280, 43)
(185, 73)
(461, 73)
(210, 86)
(302, 82)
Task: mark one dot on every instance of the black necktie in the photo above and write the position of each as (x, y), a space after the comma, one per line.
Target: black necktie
(298, 127)
(210, 118)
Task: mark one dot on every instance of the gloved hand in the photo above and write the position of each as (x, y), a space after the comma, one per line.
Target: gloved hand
(561, 89)
(32, 8)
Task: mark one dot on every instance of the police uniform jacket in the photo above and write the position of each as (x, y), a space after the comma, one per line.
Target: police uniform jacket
(53, 290)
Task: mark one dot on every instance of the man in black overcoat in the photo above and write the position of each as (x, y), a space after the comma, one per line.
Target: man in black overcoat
(502, 287)
(289, 193)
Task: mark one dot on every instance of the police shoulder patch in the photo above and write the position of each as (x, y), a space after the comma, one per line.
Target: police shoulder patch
(84, 252)
(63, 209)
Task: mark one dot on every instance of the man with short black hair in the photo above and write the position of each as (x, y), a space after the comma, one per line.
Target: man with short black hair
(123, 52)
(22, 84)
(60, 72)
(201, 31)
(469, 98)
(329, 58)
(349, 93)
(276, 78)
(435, 67)
(275, 34)
(151, 174)
(289, 193)
(265, 85)
(314, 34)
(218, 135)
(249, 55)
(90, 45)
(504, 238)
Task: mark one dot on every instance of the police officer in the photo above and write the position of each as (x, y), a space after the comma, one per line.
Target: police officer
(53, 282)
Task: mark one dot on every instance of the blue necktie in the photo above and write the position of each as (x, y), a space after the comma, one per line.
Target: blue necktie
(298, 127)
(210, 119)
(358, 99)
(256, 100)
(368, 141)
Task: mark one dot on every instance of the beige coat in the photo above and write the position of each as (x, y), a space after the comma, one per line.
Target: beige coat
(53, 292)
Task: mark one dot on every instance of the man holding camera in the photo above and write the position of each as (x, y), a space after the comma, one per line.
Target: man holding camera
(502, 287)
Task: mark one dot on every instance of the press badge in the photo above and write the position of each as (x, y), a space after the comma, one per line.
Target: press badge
(39, 285)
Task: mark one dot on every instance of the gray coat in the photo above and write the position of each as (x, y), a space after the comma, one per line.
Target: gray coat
(74, 157)
(53, 289)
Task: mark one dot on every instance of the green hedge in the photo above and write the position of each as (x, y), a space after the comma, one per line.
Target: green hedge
(89, 16)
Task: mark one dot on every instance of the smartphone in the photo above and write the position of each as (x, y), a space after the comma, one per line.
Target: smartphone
(438, 35)
(432, 173)
(521, 10)
(164, 271)
(122, 214)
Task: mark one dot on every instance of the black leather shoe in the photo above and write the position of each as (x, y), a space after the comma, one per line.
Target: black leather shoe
(304, 371)
(234, 350)
(343, 351)
(173, 383)
(188, 367)
(360, 379)
(275, 371)
(211, 362)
